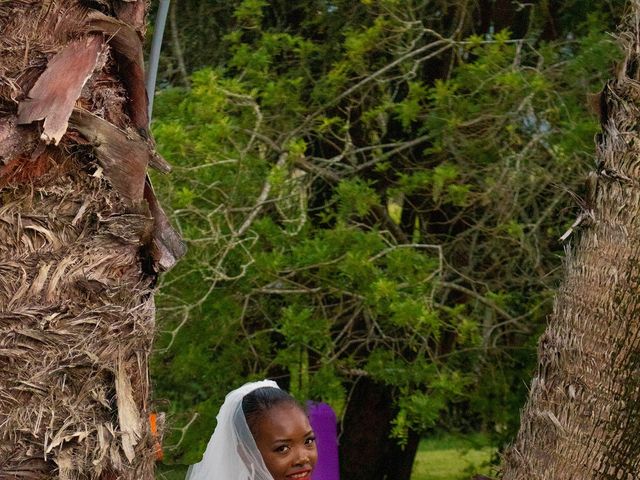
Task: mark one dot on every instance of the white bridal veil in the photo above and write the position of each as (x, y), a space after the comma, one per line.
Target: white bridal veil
(232, 453)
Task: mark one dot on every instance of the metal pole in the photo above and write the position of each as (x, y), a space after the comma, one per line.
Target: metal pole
(154, 56)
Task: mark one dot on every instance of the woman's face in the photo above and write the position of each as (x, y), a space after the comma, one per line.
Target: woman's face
(286, 441)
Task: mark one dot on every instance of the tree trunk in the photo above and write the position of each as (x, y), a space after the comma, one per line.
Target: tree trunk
(581, 418)
(366, 451)
(82, 239)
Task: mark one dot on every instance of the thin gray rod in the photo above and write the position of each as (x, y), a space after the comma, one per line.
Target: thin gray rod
(154, 56)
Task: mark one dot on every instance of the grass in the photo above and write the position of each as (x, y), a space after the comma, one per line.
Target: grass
(452, 458)
(442, 458)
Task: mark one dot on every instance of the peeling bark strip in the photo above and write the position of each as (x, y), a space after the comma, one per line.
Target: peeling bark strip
(581, 420)
(123, 156)
(128, 415)
(78, 225)
(54, 95)
(126, 43)
(167, 246)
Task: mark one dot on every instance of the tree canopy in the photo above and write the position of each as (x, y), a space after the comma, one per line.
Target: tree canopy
(371, 190)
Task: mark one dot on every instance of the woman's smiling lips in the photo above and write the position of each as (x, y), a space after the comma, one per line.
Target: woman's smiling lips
(300, 474)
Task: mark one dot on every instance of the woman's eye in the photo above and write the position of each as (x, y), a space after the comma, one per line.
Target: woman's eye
(310, 441)
(282, 449)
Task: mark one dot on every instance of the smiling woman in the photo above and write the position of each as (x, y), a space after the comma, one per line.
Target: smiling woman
(262, 434)
(282, 433)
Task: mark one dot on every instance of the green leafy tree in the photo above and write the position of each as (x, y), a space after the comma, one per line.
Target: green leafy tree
(371, 196)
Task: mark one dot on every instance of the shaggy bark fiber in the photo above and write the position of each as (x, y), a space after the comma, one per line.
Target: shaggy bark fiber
(76, 324)
(82, 239)
(580, 421)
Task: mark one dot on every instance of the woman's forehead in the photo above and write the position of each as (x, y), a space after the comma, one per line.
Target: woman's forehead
(283, 420)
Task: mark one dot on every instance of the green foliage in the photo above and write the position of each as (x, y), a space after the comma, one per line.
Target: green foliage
(355, 197)
(365, 197)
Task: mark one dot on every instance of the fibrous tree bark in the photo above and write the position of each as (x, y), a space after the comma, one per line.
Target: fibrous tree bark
(82, 240)
(581, 418)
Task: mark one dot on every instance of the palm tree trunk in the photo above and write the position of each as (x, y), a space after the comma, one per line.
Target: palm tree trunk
(82, 240)
(581, 418)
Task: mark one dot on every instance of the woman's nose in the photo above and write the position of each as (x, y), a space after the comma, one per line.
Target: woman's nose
(302, 456)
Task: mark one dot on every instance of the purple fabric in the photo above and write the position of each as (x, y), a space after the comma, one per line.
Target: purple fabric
(325, 425)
